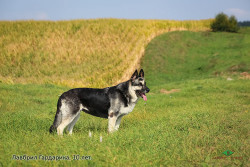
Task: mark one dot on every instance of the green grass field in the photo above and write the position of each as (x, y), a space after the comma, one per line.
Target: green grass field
(206, 114)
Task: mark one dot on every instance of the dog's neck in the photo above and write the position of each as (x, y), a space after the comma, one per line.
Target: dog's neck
(133, 96)
(127, 91)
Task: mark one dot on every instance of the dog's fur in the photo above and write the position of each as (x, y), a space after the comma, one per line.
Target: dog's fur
(111, 102)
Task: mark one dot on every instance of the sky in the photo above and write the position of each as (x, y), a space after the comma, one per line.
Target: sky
(126, 9)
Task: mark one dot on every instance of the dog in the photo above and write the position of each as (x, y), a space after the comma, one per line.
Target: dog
(111, 103)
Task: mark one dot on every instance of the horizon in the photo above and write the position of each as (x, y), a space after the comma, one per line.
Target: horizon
(65, 10)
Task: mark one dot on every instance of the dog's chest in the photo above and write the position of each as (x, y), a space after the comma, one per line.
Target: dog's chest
(128, 109)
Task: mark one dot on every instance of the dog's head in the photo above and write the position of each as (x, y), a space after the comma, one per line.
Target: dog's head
(138, 84)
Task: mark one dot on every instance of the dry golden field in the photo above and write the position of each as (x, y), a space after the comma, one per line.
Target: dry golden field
(79, 53)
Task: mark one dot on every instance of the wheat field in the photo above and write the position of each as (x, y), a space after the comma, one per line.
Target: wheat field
(79, 53)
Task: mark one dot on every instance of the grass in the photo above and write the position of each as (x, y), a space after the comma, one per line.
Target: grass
(196, 55)
(69, 53)
(192, 127)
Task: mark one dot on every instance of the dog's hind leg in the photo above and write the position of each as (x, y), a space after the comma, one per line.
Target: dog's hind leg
(68, 114)
(64, 123)
(72, 124)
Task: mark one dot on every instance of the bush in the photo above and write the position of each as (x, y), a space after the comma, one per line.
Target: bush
(223, 23)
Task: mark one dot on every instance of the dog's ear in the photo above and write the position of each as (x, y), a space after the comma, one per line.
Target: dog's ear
(134, 76)
(141, 74)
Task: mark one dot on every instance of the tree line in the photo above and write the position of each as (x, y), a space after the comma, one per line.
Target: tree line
(244, 23)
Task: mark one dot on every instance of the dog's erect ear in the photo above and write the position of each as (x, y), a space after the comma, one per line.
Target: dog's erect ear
(141, 74)
(134, 76)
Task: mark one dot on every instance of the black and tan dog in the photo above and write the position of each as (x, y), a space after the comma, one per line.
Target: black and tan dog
(111, 102)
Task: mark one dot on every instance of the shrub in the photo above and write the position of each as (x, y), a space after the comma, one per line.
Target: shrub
(223, 23)
(233, 24)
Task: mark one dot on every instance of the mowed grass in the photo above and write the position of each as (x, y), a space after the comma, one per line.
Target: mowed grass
(192, 127)
(81, 52)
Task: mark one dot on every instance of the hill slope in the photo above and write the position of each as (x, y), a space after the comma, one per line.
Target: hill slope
(94, 53)
(178, 56)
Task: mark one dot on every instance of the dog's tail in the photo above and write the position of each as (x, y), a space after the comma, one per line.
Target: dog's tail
(58, 118)
(57, 121)
(52, 129)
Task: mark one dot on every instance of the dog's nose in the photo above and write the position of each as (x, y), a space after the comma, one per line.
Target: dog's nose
(147, 90)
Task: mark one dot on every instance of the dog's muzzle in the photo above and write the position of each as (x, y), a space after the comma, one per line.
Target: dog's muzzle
(143, 92)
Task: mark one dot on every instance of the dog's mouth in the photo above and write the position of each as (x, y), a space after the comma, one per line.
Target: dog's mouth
(142, 95)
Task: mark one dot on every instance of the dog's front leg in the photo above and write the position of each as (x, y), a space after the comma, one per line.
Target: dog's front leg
(112, 120)
(118, 122)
